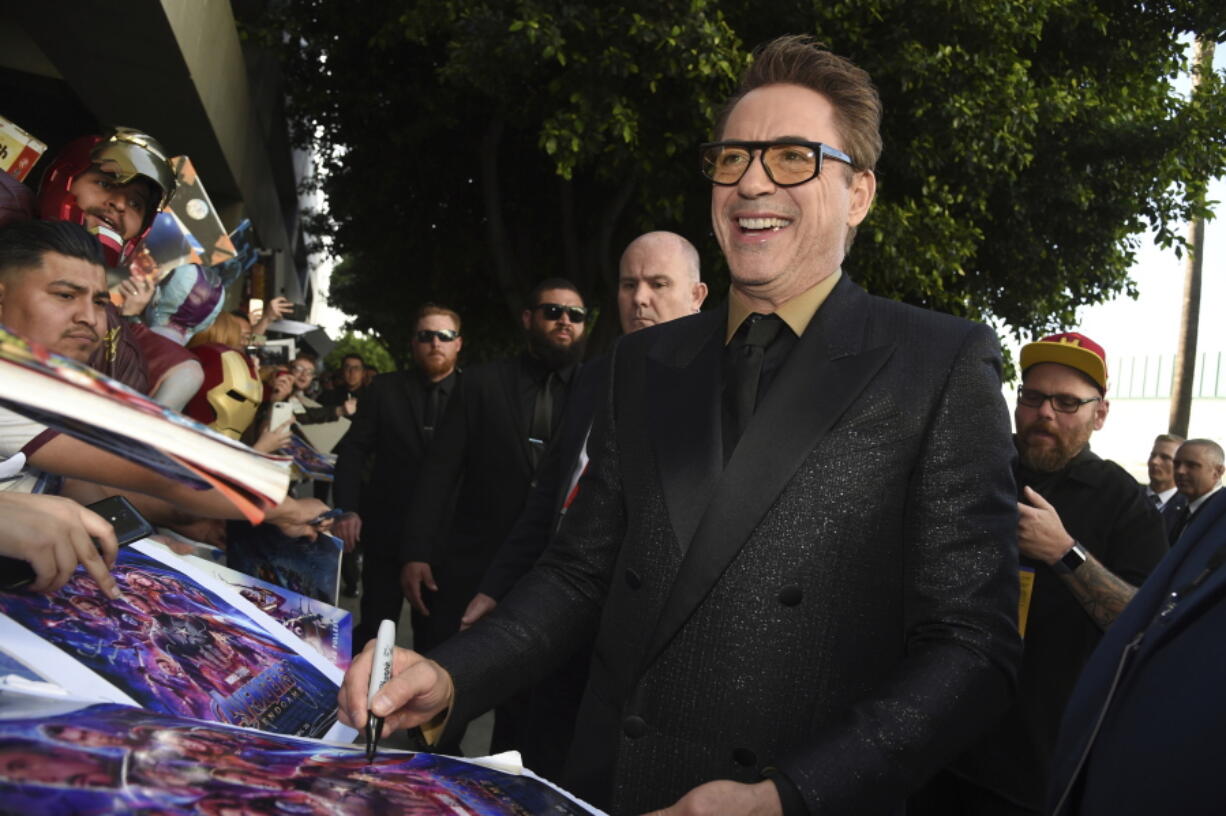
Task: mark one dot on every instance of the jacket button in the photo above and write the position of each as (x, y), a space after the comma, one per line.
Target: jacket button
(633, 580)
(634, 726)
(744, 757)
(790, 596)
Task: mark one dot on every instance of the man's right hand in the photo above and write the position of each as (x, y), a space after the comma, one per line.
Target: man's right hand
(480, 606)
(412, 576)
(418, 691)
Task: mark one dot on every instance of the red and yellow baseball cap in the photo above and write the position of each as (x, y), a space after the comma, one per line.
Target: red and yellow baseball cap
(1071, 349)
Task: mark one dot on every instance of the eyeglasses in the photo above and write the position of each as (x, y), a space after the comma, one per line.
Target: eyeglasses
(554, 311)
(787, 163)
(1064, 403)
(444, 335)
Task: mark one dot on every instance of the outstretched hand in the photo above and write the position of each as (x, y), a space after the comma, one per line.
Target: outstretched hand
(54, 534)
(418, 691)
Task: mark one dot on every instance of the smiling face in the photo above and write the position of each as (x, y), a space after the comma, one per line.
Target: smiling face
(1047, 439)
(303, 370)
(780, 241)
(105, 202)
(61, 304)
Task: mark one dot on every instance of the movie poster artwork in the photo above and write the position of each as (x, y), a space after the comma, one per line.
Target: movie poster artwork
(311, 568)
(325, 628)
(173, 646)
(115, 759)
(311, 464)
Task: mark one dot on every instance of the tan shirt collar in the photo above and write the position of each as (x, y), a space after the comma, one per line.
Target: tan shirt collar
(797, 312)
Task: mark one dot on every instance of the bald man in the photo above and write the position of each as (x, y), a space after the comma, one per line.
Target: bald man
(658, 281)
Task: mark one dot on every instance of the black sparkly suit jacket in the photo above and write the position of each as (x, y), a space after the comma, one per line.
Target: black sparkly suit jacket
(837, 604)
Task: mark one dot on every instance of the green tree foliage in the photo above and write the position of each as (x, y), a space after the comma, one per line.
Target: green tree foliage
(373, 353)
(473, 148)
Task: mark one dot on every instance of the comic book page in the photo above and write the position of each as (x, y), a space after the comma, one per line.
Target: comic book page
(178, 642)
(61, 758)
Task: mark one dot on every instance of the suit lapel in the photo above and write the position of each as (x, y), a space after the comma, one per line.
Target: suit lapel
(682, 384)
(822, 376)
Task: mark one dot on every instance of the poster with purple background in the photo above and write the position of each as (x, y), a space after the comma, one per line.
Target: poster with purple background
(60, 758)
(327, 629)
(177, 642)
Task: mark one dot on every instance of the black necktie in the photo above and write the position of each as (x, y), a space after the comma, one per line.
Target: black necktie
(431, 413)
(542, 420)
(746, 369)
(1157, 500)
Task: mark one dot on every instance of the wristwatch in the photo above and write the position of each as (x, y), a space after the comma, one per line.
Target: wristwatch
(1071, 560)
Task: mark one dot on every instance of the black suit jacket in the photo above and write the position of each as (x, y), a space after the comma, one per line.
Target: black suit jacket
(388, 425)
(1160, 747)
(537, 523)
(481, 446)
(839, 603)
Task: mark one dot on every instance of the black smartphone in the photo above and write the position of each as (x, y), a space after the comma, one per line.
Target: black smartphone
(128, 523)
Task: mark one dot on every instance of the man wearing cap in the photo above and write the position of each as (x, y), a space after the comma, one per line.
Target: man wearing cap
(1087, 538)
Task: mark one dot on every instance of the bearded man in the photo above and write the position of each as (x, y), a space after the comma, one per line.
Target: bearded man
(484, 460)
(1088, 538)
(395, 425)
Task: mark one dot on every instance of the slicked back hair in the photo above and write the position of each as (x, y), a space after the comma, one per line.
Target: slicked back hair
(801, 60)
(23, 245)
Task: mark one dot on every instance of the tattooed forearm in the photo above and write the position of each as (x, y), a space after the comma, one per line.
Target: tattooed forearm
(1101, 593)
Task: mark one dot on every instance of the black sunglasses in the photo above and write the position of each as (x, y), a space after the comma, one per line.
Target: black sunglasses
(787, 162)
(554, 311)
(444, 335)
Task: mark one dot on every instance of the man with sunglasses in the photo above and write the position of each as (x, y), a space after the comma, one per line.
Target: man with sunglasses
(1088, 539)
(484, 458)
(659, 279)
(795, 539)
(393, 429)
